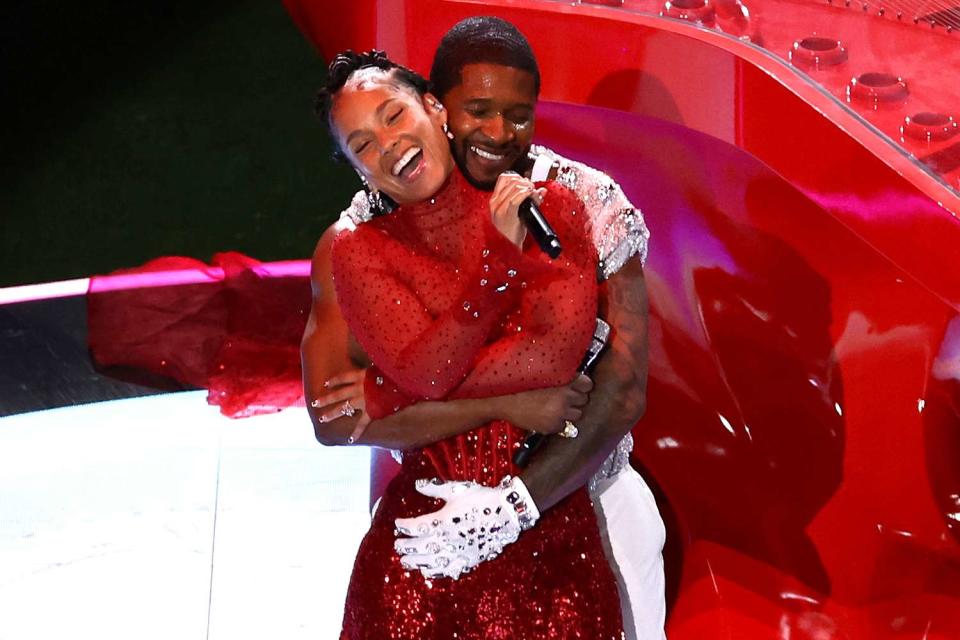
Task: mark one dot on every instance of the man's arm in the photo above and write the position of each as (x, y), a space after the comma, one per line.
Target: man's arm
(541, 410)
(617, 402)
(323, 349)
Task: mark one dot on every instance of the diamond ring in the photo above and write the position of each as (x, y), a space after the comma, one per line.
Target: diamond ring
(570, 430)
(349, 410)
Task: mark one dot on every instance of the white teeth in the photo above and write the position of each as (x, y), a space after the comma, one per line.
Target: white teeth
(486, 155)
(403, 161)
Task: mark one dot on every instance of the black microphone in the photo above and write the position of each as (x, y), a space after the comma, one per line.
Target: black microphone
(601, 334)
(529, 212)
(539, 228)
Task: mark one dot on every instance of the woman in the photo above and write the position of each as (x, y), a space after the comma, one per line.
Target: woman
(450, 303)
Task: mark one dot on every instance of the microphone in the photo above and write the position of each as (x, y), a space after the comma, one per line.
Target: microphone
(601, 335)
(530, 214)
(539, 228)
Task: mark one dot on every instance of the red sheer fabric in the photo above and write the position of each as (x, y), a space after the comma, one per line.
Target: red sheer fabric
(447, 308)
(228, 327)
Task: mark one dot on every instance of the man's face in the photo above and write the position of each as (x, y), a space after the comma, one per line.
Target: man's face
(491, 118)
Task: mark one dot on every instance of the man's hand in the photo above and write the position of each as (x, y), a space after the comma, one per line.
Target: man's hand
(344, 397)
(474, 525)
(546, 410)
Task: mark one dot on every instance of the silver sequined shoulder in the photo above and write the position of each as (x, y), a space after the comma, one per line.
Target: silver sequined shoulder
(359, 210)
(618, 229)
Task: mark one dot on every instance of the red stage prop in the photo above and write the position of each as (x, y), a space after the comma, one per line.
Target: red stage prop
(798, 167)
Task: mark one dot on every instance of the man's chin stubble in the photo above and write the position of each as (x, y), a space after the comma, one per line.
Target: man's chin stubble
(462, 166)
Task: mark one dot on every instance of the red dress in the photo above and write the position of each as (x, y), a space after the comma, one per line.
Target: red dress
(446, 307)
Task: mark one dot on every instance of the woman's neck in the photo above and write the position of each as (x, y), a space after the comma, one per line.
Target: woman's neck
(447, 191)
(449, 203)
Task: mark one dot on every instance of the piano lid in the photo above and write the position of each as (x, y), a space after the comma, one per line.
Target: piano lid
(894, 64)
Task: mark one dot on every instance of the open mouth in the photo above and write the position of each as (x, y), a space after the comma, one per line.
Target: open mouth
(408, 166)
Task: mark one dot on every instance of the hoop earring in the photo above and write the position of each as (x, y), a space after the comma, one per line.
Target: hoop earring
(446, 131)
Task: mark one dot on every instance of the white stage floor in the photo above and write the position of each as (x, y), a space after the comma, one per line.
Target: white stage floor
(158, 518)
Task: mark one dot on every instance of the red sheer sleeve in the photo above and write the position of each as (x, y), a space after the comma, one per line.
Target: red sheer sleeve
(384, 290)
(545, 341)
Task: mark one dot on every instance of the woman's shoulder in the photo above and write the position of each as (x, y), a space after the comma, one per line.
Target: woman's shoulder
(344, 238)
(563, 204)
(372, 242)
(564, 210)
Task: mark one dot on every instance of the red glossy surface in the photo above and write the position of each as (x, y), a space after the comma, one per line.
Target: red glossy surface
(733, 91)
(804, 403)
(795, 400)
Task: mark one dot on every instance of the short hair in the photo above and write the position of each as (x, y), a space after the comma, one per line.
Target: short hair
(480, 40)
(343, 66)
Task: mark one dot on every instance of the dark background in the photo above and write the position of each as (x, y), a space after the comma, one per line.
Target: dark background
(159, 127)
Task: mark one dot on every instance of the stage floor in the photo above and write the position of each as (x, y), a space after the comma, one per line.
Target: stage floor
(156, 517)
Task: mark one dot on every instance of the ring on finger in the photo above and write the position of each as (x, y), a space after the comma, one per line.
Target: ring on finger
(348, 409)
(570, 430)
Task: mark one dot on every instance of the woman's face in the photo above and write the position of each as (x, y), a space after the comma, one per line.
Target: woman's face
(392, 136)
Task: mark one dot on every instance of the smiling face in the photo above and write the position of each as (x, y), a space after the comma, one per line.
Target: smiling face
(491, 117)
(392, 136)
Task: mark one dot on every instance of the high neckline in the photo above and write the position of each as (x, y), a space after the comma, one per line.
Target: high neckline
(443, 207)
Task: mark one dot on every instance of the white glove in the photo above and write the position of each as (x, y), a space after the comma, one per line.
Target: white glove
(474, 525)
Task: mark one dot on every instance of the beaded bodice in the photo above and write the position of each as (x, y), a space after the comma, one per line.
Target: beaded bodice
(446, 307)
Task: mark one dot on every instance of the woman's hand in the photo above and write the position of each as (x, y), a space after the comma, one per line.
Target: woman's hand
(512, 189)
(344, 397)
(546, 410)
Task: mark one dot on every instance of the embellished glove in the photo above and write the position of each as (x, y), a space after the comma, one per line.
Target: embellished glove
(474, 525)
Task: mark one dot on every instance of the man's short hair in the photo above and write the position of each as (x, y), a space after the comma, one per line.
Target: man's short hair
(480, 40)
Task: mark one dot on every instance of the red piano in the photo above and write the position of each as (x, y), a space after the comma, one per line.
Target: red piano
(798, 165)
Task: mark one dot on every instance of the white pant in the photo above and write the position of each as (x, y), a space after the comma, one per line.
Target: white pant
(633, 535)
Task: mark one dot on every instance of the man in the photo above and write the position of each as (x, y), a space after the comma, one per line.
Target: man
(486, 76)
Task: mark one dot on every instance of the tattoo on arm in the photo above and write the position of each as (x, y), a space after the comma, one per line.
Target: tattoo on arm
(626, 296)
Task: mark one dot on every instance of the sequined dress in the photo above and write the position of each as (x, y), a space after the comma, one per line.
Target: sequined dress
(446, 307)
(618, 232)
